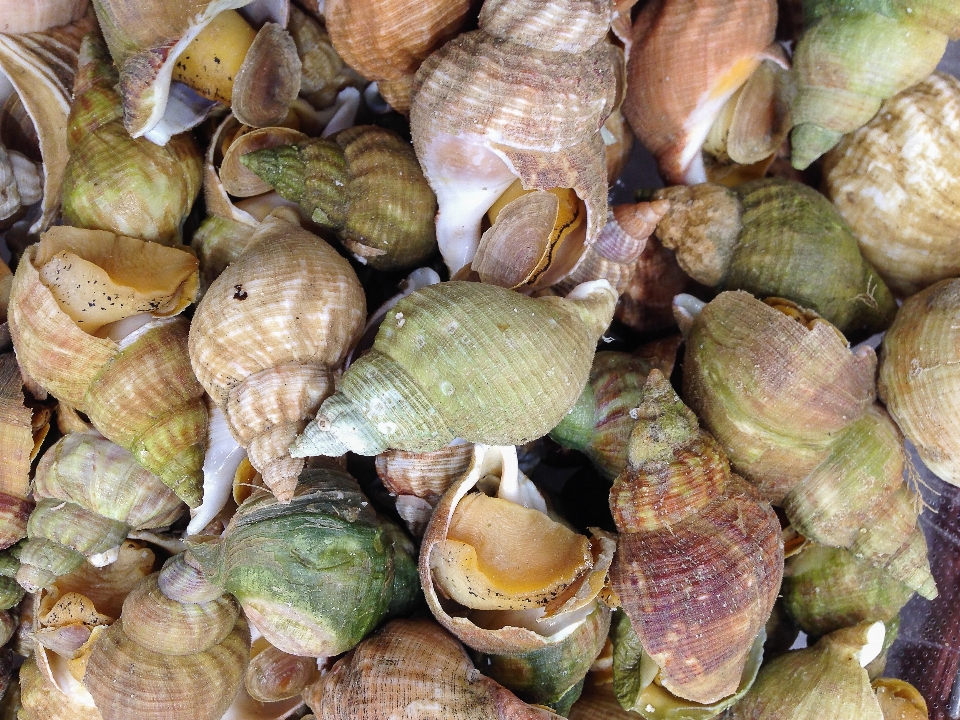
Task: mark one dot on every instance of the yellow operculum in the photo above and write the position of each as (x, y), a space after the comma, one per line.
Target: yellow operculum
(211, 61)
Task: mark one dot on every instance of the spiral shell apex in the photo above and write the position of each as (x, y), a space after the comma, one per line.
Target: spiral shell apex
(687, 522)
(507, 368)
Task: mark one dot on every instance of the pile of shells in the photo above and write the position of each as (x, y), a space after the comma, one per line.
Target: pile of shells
(332, 438)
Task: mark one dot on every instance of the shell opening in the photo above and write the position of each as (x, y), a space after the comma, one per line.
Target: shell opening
(213, 58)
(874, 644)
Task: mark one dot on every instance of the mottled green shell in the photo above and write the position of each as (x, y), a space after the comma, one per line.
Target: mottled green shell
(11, 592)
(464, 360)
(854, 55)
(552, 675)
(319, 573)
(365, 184)
(795, 244)
(113, 182)
(634, 672)
(825, 589)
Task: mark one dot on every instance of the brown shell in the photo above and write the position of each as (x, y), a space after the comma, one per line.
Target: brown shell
(646, 302)
(268, 336)
(425, 475)
(377, 680)
(700, 557)
(686, 59)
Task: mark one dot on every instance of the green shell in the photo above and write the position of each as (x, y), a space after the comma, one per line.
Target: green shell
(634, 672)
(113, 182)
(553, 675)
(825, 589)
(318, 574)
(854, 55)
(11, 592)
(466, 360)
(366, 185)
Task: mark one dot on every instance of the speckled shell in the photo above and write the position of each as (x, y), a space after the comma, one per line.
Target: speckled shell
(700, 557)
(268, 336)
(165, 659)
(140, 393)
(41, 67)
(505, 369)
(896, 181)
(91, 494)
(389, 40)
(686, 59)
(377, 681)
(802, 426)
(853, 56)
(919, 381)
(524, 96)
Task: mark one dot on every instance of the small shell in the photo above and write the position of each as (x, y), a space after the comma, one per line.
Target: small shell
(892, 180)
(280, 318)
(657, 278)
(274, 675)
(686, 60)
(474, 390)
(323, 73)
(377, 680)
(389, 40)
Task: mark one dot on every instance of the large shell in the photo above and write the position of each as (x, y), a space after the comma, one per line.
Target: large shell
(378, 681)
(139, 391)
(776, 238)
(895, 180)
(316, 575)
(387, 41)
(853, 56)
(801, 425)
(686, 60)
(506, 369)
(117, 183)
(918, 378)
(268, 336)
(525, 96)
(40, 67)
(164, 658)
(145, 40)
(90, 494)
(700, 558)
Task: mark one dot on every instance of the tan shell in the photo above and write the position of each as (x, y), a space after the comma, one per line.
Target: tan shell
(496, 104)
(553, 613)
(896, 180)
(41, 700)
(18, 17)
(16, 449)
(377, 680)
(686, 60)
(41, 67)
(139, 391)
(236, 178)
(389, 40)
(268, 337)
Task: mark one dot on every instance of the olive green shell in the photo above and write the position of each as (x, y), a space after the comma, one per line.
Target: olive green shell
(552, 675)
(467, 360)
(777, 238)
(316, 575)
(113, 182)
(11, 592)
(855, 54)
(366, 185)
(825, 589)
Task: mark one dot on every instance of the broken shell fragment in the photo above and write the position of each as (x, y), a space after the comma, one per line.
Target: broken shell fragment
(475, 390)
